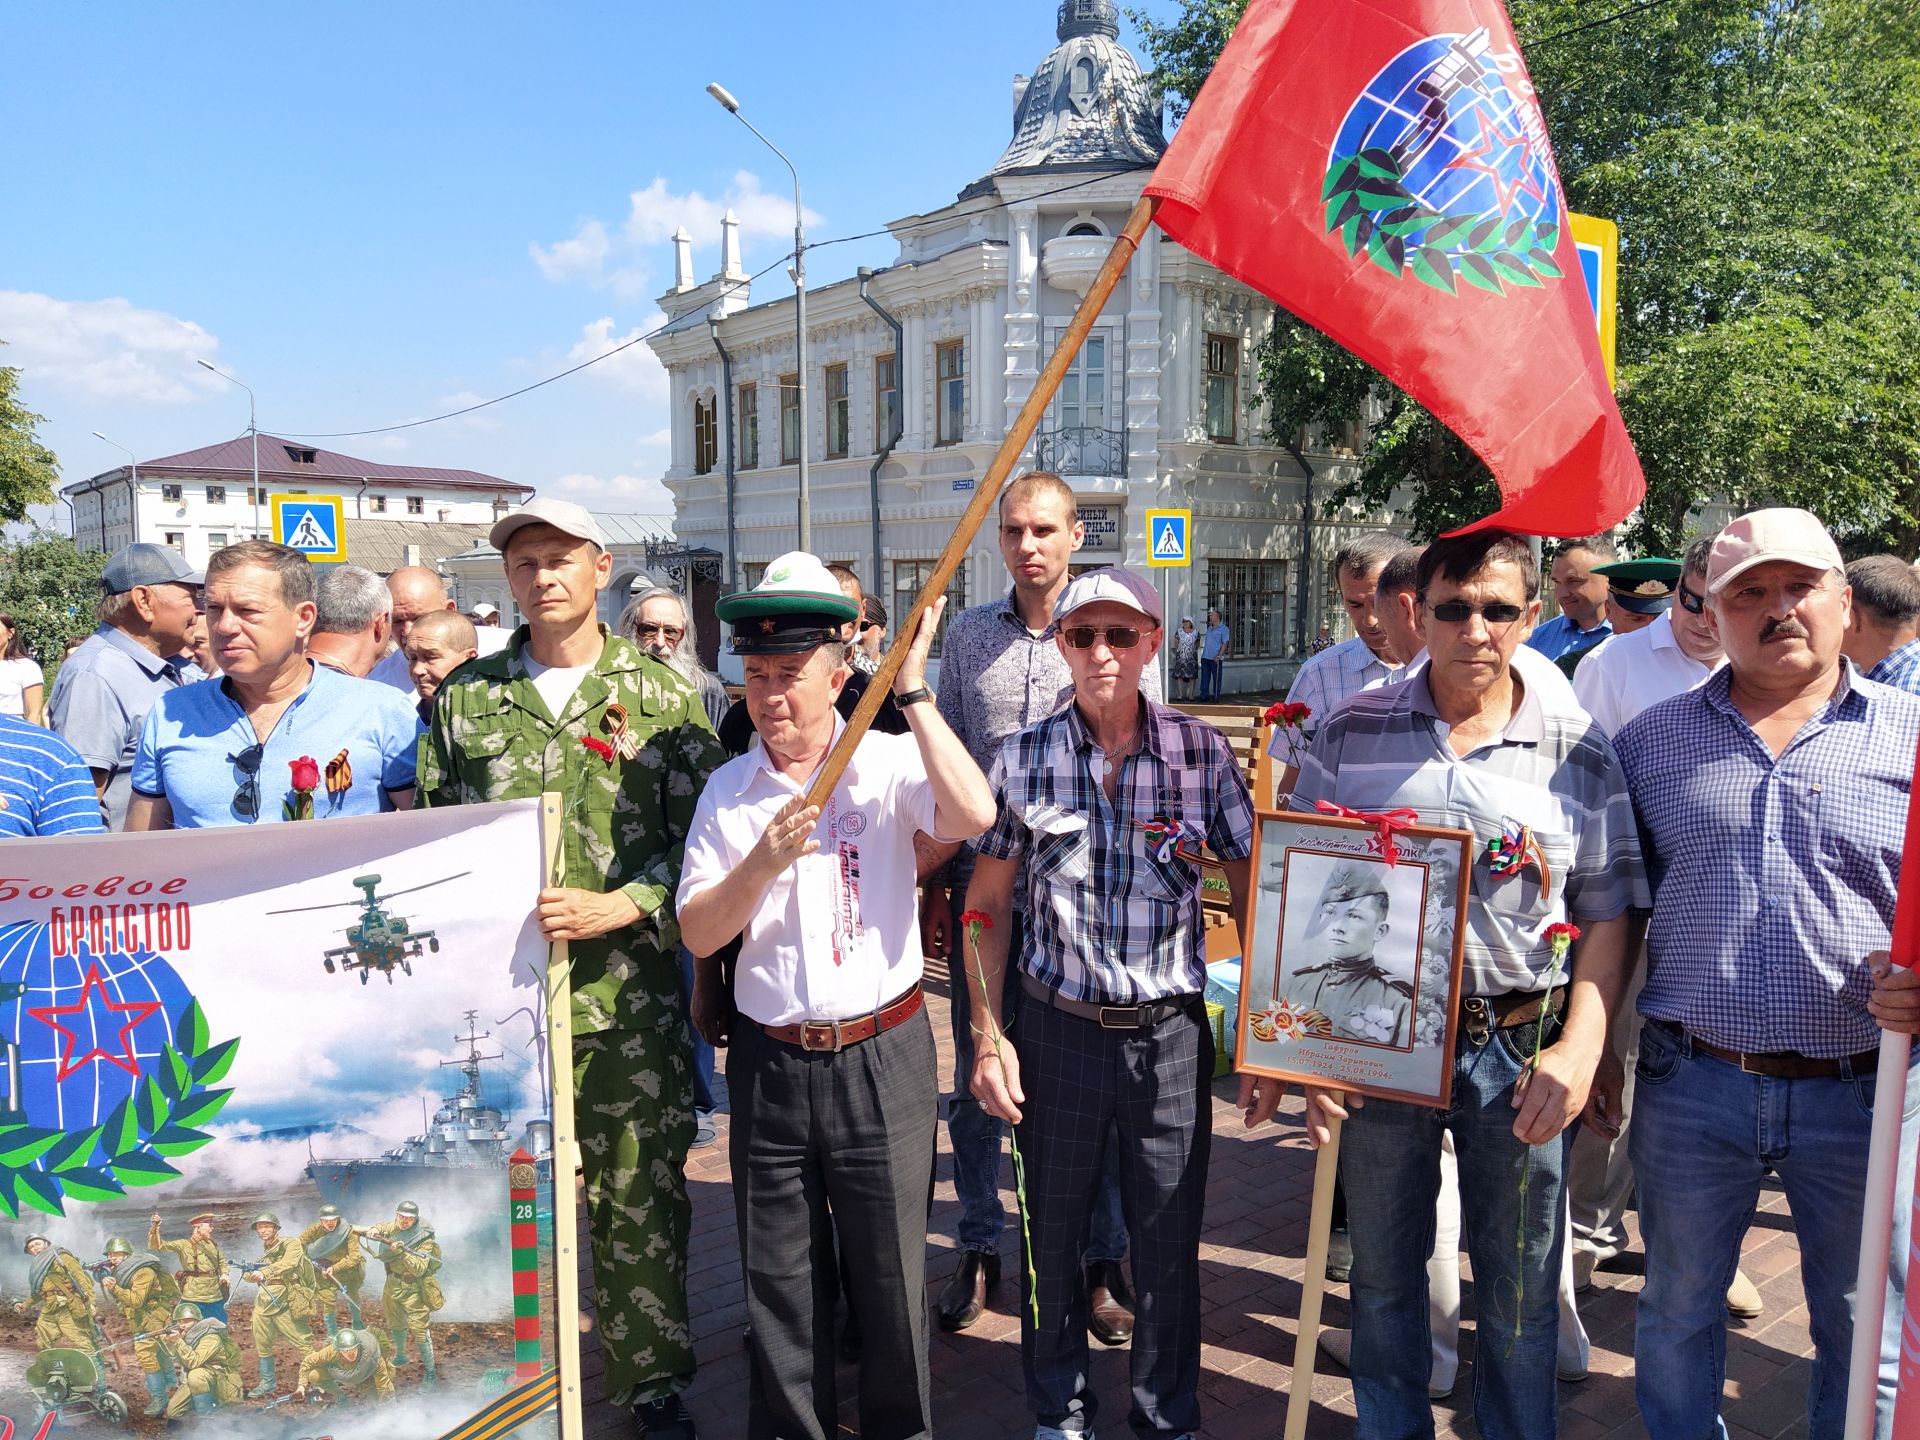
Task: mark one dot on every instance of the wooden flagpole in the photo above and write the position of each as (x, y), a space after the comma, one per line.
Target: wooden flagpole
(1313, 1285)
(987, 494)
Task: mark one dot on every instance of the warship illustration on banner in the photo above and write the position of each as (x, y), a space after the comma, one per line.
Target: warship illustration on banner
(467, 1134)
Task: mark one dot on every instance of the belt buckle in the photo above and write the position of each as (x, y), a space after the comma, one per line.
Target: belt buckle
(1132, 1016)
(831, 1029)
(1746, 1069)
(1478, 1019)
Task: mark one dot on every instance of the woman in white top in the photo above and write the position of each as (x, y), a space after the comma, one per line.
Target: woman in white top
(21, 682)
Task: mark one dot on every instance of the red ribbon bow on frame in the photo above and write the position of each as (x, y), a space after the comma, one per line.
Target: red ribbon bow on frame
(1382, 843)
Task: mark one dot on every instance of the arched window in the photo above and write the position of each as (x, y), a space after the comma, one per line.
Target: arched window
(1083, 227)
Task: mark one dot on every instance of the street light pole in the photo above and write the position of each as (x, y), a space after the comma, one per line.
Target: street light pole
(799, 273)
(253, 430)
(133, 495)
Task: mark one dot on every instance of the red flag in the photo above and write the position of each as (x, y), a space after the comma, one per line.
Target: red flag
(1381, 169)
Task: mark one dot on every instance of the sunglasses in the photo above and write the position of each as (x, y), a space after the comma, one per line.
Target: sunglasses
(1691, 600)
(246, 799)
(1118, 637)
(1458, 612)
(866, 625)
(672, 634)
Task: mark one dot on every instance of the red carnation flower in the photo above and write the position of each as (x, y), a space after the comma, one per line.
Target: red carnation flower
(598, 747)
(977, 917)
(1563, 930)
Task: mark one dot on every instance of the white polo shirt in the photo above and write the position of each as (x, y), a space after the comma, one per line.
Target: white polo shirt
(837, 935)
(1627, 673)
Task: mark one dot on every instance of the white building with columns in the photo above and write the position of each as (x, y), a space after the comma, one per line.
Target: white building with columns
(1159, 410)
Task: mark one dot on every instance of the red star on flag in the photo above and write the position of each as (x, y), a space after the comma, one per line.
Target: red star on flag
(1490, 158)
(135, 1011)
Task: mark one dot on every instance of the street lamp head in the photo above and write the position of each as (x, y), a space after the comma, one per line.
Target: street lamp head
(98, 436)
(719, 92)
(205, 365)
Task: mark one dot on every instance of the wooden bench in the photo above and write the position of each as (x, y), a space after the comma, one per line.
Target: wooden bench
(1248, 735)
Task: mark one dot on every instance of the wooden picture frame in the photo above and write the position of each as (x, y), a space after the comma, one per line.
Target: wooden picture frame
(1337, 989)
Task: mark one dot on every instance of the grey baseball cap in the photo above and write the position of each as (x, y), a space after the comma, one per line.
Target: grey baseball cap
(562, 515)
(146, 564)
(1123, 587)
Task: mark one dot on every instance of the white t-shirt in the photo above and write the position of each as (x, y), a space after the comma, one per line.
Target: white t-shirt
(556, 683)
(16, 678)
(838, 934)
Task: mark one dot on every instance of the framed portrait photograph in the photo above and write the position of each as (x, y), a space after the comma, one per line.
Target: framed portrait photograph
(1351, 978)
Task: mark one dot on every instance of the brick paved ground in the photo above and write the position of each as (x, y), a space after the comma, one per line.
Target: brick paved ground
(1257, 1200)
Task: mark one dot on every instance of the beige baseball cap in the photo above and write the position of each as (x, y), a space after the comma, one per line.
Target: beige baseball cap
(563, 515)
(1763, 535)
(1123, 587)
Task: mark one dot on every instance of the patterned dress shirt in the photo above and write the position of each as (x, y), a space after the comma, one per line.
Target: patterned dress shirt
(1114, 916)
(1773, 878)
(1329, 678)
(1900, 668)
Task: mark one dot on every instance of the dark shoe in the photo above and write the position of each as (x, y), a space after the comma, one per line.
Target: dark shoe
(1109, 1306)
(852, 1343)
(1339, 1257)
(664, 1419)
(965, 1295)
(705, 1132)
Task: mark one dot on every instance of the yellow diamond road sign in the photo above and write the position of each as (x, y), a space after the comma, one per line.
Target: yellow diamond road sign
(1169, 538)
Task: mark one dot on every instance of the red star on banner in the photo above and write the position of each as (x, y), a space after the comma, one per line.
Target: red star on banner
(135, 1011)
(1490, 157)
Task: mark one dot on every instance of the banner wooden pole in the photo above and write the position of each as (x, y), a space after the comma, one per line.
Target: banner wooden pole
(1313, 1285)
(987, 494)
(566, 1144)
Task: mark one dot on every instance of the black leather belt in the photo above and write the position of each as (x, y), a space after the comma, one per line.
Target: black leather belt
(1138, 1016)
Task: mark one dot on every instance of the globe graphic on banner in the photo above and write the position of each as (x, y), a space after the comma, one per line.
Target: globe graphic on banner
(87, 1027)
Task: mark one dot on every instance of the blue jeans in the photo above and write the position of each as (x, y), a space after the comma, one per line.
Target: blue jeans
(975, 1137)
(1211, 672)
(1704, 1134)
(1390, 1164)
(702, 1051)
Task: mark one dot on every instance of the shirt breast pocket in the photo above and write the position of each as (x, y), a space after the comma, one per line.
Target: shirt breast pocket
(1523, 896)
(1062, 846)
(493, 753)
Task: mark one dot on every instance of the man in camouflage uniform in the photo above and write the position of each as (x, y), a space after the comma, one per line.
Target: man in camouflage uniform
(283, 1310)
(140, 1286)
(351, 1369)
(339, 1265)
(412, 1292)
(208, 1359)
(60, 1283)
(203, 1268)
(496, 735)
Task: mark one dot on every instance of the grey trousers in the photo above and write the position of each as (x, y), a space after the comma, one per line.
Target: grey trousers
(1599, 1171)
(853, 1131)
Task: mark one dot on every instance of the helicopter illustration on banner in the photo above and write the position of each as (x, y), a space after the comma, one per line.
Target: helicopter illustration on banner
(380, 940)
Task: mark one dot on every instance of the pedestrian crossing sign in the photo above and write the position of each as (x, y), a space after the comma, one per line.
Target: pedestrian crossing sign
(1169, 536)
(310, 524)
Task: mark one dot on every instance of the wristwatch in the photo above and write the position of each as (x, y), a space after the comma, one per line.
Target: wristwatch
(918, 695)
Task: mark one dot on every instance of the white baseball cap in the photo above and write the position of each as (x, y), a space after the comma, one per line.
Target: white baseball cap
(486, 608)
(1123, 587)
(563, 515)
(1763, 535)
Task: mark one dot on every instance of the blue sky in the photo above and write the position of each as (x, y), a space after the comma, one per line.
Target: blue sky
(373, 213)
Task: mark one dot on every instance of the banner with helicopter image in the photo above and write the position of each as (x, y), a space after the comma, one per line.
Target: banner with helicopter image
(276, 1144)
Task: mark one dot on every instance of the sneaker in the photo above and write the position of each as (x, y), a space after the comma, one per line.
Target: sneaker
(1584, 1263)
(705, 1132)
(1054, 1432)
(1571, 1371)
(1743, 1297)
(666, 1419)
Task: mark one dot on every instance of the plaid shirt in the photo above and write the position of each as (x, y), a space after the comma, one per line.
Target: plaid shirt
(1900, 668)
(1773, 878)
(1111, 921)
(1550, 770)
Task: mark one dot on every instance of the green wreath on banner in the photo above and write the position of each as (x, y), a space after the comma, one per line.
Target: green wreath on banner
(1370, 208)
(41, 1169)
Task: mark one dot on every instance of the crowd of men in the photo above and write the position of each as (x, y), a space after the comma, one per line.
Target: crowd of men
(1716, 799)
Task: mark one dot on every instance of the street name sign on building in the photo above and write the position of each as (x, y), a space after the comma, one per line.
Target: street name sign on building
(311, 524)
(1597, 243)
(1169, 538)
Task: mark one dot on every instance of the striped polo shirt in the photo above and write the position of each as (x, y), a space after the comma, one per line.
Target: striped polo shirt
(44, 787)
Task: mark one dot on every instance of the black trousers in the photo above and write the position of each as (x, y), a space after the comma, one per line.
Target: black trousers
(853, 1131)
(1152, 1089)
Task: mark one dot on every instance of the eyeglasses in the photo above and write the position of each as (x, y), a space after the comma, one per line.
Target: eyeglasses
(246, 799)
(1458, 612)
(1691, 600)
(672, 634)
(1118, 637)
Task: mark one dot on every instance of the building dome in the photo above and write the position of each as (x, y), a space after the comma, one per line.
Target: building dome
(1087, 106)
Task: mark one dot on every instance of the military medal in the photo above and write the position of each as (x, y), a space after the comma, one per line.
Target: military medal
(627, 747)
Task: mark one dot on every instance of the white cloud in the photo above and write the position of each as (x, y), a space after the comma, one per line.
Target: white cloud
(109, 349)
(620, 494)
(580, 258)
(635, 368)
(487, 419)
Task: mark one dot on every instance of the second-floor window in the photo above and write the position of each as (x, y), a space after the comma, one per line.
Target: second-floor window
(416, 505)
(950, 394)
(1083, 390)
(1223, 387)
(839, 409)
(377, 504)
(706, 441)
(886, 399)
(790, 419)
(216, 494)
(749, 426)
(170, 493)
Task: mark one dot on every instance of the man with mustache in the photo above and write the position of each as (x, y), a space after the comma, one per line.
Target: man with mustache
(1773, 800)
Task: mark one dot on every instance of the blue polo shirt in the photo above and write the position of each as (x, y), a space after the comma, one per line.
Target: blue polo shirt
(100, 702)
(44, 787)
(186, 750)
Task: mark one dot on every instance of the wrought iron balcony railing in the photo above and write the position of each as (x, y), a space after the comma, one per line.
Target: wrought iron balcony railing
(1081, 450)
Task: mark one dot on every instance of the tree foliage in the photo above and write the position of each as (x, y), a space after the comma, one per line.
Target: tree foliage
(1759, 160)
(49, 586)
(28, 470)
